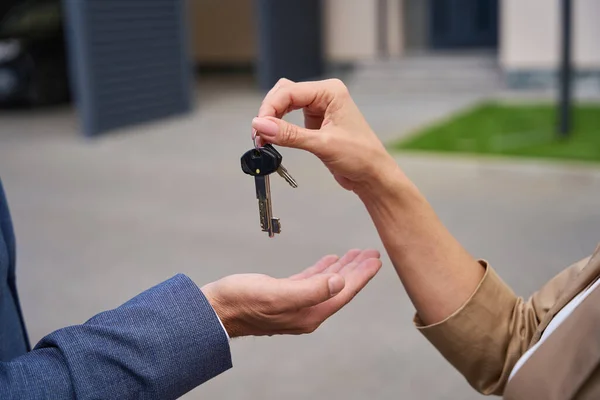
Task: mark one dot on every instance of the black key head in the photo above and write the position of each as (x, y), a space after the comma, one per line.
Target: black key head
(258, 162)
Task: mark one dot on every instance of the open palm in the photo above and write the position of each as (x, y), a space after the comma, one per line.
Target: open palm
(255, 304)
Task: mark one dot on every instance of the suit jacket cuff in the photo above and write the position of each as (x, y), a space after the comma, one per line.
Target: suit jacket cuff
(202, 334)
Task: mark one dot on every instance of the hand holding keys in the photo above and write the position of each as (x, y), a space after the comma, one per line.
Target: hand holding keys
(260, 163)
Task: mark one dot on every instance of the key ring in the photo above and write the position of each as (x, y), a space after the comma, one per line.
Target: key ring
(254, 134)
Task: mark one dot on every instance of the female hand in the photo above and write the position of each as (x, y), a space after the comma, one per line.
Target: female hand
(335, 131)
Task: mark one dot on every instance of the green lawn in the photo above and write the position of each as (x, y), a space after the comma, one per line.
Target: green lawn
(517, 130)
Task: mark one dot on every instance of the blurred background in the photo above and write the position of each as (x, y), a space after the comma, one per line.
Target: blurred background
(122, 123)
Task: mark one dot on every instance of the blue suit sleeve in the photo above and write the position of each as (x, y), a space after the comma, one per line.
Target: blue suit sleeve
(159, 345)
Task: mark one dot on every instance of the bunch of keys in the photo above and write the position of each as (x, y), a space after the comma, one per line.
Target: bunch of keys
(260, 163)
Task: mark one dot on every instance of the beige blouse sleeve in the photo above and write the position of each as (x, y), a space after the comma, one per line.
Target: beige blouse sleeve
(484, 338)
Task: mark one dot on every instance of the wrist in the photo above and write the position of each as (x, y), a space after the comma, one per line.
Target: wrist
(387, 184)
(227, 314)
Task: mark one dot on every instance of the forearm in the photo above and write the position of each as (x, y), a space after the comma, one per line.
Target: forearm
(160, 344)
(39, 374)
(437, 272)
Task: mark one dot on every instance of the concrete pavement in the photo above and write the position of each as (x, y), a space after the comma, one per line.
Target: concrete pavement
(100, 221)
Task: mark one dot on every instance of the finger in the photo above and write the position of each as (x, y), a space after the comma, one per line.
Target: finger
(281, 83)
(313, 120)
(319, 267)
(355, 281)
(345, 260)
(283, 133)
(292, 295)
(351, 260)
(364, 255)
(316, 96)
(350, 256)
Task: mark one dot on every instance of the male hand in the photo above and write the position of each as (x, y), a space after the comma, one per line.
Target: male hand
(335, 131)
(257, 305)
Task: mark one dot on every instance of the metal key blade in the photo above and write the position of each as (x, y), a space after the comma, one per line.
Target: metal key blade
(263, 206)
(275, 225)
(263, 194)
(283, 172)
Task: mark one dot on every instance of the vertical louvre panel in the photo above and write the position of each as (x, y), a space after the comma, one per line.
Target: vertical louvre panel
(131, 62)
(290, 40)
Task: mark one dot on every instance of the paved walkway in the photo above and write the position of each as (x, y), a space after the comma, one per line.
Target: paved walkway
(99, 221)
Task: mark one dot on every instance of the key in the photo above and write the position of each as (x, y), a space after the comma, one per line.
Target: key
(268, 223)
(282, 171)
(260, 164)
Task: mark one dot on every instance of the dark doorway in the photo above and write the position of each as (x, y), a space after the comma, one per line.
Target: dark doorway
(456, 24)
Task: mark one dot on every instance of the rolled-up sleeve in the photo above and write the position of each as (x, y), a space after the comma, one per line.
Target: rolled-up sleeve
(485, 337)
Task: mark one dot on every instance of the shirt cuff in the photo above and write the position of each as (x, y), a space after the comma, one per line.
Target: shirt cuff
(221, 322)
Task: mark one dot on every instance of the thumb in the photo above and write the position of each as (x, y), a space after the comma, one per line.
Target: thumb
(298, 294)
(280, 132)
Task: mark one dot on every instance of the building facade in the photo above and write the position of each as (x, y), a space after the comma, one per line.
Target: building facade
(132, 61)
(525, 34)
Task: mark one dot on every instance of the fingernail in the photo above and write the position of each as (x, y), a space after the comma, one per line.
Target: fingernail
(265, 126)
(336, 284)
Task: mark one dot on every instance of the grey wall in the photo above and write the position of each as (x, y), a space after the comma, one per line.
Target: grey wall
(416, 22)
